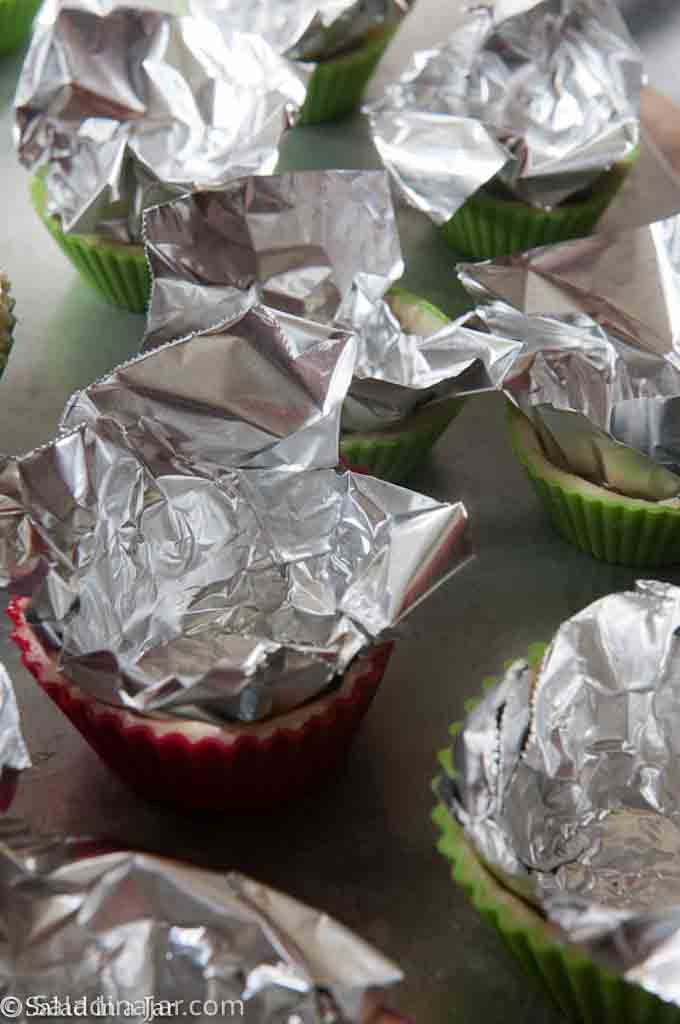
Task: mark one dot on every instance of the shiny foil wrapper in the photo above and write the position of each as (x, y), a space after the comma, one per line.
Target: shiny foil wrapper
(542, 97)
(323, 245)
(121, 933)
(14, 756)
(188, 543)
(123, 106)
(567, 783)
(599, 374)
(306, 30)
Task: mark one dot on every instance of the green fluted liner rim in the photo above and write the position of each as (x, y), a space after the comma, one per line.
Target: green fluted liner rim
(581, 990)
(486, 226)
(337, 85)
(394, 456)
(118, 273)
(16, 19)
(608, 526)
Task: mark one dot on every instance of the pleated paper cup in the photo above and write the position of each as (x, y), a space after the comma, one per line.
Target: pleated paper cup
(194, 766)
(395, 452)
(118, 272)
(487, 226)
(337, 85)
(582, 990)
(606, 525)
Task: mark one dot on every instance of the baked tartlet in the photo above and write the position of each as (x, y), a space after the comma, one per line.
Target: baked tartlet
(117, 271)
(493, 223)
(609, 526)
(582, 989)
(196, 766)
(394, 452)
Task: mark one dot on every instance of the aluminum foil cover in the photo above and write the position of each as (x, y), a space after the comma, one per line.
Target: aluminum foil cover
(13, 751)
(306, 30)
(567, 783)
(188, 543)
(544, 96)
(122, 106)
(599, 376)
(122, 934)
(323, 245)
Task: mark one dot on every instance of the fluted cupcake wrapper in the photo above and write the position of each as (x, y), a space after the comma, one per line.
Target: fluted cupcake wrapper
(608, 526)
(16, 19)
(581, 990)
(487, 226)
(118, 273)
(169, 763)
(395, 454)
(337, 85)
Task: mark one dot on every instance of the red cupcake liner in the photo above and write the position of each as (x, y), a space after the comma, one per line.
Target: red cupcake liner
(8, 787)
(200, 767)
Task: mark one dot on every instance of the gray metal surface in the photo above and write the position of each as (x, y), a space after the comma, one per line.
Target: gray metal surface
(362, 846)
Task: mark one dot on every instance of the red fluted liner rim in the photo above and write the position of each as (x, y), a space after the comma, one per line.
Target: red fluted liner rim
(213, 772)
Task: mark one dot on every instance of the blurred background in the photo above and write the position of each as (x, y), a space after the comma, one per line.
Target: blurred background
(656, 26)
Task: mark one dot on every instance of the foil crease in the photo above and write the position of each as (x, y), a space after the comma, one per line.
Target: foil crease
(566, 783)
(323, 245)
(306, 30)
(121, 933)
(292, 241)
(188, 543)
(540, 97)
(598, 320)
(120, 107)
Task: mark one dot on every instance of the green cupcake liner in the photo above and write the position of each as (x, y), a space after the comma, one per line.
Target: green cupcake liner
(608, 526)
(487, 226)
(16, 19)
(582, 990)
(395, 455)
(337, 85)
(118, 273)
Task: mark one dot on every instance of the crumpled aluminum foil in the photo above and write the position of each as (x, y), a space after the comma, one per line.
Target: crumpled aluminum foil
(123, 106)
(567, 783)
(291, 241)
(306, 30)
(542, 96)
(599, 374)
(13, 751)
(120, 934)
(318, 244)
(190, 547)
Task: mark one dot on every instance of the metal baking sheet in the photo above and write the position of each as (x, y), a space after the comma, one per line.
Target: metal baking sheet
(363, 846)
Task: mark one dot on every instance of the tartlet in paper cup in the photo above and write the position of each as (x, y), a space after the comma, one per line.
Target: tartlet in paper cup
(148, 95)
(490, 224)
(200, 767)
(16, 19)
(398, 450)
(118, 272)
(269, 592)
(606, 525)
(581, 988)
(338, 83)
